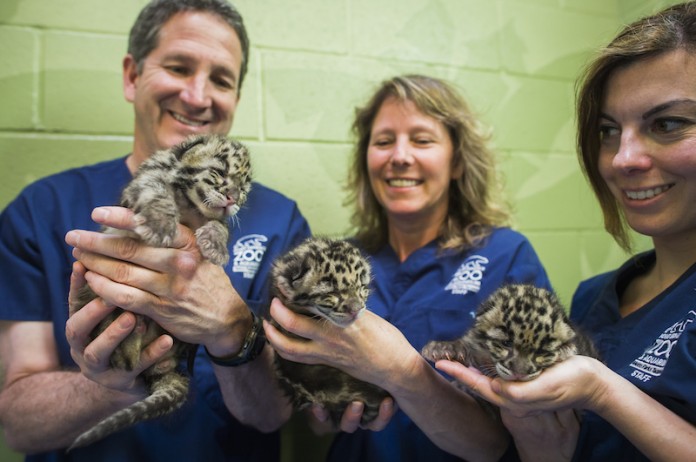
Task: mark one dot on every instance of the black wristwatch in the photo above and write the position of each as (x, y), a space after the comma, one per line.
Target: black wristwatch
(251, 348)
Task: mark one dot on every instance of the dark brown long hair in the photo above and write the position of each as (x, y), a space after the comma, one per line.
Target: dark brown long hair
(668, 30)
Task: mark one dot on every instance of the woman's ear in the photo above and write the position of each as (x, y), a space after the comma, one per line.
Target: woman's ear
(457, 169)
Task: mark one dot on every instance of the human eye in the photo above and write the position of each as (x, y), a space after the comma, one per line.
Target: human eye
(223, 82)
(177, 69)
(381, 141)
(423, 138)
(669, 125)
(608, 131)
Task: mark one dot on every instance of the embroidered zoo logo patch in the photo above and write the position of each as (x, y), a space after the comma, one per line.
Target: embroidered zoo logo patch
(248, 252)
(653, 360)
(469, 275)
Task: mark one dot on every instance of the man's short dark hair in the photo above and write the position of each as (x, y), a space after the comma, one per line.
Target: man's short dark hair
(145, 31)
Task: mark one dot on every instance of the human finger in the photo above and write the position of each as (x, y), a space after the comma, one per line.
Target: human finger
(123, 272)
(292, 322)
(97, 353)
(476, 382)
(80, 325)
(387, 409)
(125, 219)
(77, 282)
(125, 249)
(154, 354)
(318, 419)
(470, 377)
(319, 412)
(128, 297)
(350, 421)
(115, 217)
(290, 348)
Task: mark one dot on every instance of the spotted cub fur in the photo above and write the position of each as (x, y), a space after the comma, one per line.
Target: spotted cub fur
(519, 331)
(199, 183)
(329, 280)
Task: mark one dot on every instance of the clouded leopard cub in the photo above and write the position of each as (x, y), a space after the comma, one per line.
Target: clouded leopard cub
(199, 183)
(519, 331)
(329, 280)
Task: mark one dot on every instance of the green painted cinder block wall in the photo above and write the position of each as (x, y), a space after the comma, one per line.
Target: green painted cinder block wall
(312, 62)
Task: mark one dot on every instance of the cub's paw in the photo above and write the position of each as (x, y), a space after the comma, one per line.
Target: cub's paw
(212, 242)
(434, 351)
(156, 231)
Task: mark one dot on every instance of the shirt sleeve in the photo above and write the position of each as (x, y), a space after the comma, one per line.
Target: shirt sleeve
(23, 282)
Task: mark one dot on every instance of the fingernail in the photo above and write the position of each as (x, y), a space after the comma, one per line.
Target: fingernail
(165, 343)
(320, 413)
(125, 321)
(356, 407)
(100, 214)
(72, 238)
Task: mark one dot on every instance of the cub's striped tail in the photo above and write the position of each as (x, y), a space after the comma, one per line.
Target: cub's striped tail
(167, 393)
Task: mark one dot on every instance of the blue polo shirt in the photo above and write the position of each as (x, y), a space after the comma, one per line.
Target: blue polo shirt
(654, 348)
(434, 295)
(35, 280)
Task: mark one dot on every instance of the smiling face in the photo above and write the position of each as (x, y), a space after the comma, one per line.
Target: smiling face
(187, 84)
(409, 163)
(648, 148)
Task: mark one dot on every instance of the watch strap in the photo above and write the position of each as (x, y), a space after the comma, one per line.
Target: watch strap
(251, 348)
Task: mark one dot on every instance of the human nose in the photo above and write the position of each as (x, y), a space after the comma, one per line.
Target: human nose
(196, 91)
(401, 153)
(633, 153)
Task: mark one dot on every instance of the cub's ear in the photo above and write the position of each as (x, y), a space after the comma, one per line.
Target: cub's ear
(289, 275)
(302, 270)
(283, 288)
(182, 148)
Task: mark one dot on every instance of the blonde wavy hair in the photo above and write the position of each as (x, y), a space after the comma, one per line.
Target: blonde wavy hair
(475, 202)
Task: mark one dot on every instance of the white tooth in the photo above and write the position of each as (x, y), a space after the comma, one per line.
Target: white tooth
(186, 121)
(401, 183)
(646, 194)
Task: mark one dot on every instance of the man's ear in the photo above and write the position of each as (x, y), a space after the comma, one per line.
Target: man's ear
(130, 76)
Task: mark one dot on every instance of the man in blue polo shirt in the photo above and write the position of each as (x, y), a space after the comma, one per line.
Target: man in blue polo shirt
(185, 65)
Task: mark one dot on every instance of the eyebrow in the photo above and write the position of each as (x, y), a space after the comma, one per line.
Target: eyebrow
(668, 105)
(657, 109)
(419, 127)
